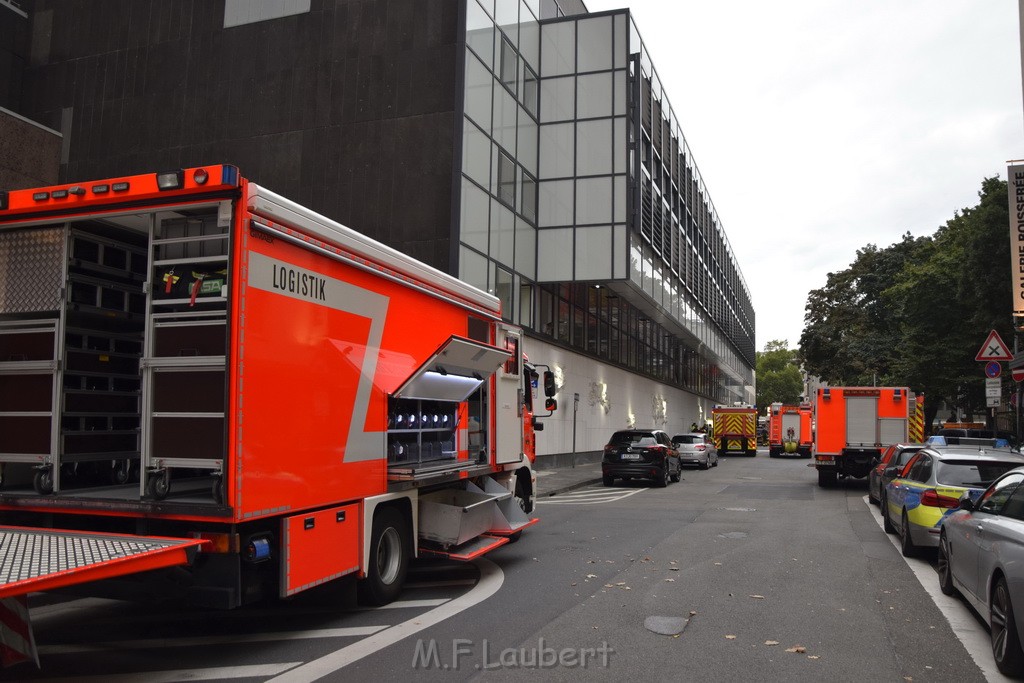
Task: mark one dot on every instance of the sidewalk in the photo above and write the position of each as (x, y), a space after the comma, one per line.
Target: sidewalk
(551, 482)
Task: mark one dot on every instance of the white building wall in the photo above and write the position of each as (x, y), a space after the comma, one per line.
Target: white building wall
(610, 399)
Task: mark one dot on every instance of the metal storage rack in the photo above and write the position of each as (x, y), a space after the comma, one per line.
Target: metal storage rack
(69, 355)
(184, 369)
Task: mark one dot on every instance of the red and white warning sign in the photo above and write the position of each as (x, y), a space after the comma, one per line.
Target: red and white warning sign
(994, 348)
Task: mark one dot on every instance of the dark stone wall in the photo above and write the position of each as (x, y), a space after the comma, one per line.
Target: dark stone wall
(13, 56)
(348, 109)
(29, 154)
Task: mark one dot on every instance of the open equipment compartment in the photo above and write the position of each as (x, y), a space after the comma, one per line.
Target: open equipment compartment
(184, 366)
(71, 320)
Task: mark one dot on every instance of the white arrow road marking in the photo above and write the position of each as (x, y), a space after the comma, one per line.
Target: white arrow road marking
(491, 579)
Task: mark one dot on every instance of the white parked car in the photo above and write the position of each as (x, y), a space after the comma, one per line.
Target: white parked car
(696, 448)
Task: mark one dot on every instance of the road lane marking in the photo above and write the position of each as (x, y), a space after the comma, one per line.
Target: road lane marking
(212, 674)
(962, 620)
(491, 579)
(590, 497)
(195, 641)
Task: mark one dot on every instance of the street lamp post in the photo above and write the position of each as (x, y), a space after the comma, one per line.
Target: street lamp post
(575, 409)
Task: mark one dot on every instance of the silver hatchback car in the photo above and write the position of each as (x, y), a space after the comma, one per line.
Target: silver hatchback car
(696, 448)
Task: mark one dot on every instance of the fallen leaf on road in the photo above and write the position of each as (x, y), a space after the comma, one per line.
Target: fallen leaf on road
(718, 564)
(670, 580)
(621, 583)
(757, 597)
(573, 583)
(693, 613)
(797, 648)
(730, 637)
(813, 657)
(591, 576)
(771, 642)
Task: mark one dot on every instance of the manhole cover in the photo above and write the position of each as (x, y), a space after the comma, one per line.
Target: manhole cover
(665, 626)
(733, 534)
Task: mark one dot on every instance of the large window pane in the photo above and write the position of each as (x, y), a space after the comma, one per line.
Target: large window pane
(619, 94)
(594, 147)
(593, 253)
(528, 199)
(506, 179)
(553, 246)
(619, 145)
(558, 46)
(557, 99)
(594, 200)
(525, 305)
(529, 38)
(478, 91)
(595, 52)
(476, 154)
(506, 16)
(480, 32)
(620, 256)
(526, 143)
(620, 198)
(475, 210)
(557, 142)
(526, 249)
(619, 52)
(504, 118)
(555, 203)
(503, 233)
(507, 67)
(472, 268)
(594, 95)
(503, 290)
(531, 91)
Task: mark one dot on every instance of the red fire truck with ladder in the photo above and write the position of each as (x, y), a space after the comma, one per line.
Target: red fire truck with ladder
(790, 430)
(854, 424)
(735, 429)
(197, 373)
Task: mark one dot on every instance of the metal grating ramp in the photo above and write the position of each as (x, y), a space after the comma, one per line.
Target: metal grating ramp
(36, 560)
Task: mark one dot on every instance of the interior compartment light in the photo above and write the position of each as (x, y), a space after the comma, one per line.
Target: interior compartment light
(120, 187)
(170, 180)
(59, 194)
(100, 189)
(40, 196)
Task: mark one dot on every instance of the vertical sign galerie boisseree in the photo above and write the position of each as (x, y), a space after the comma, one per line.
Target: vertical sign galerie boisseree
(1015, 185)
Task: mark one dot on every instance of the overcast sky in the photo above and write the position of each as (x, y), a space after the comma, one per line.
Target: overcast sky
(820, 126)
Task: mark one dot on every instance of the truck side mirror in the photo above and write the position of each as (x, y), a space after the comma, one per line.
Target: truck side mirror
(549, 385)
(550, 404)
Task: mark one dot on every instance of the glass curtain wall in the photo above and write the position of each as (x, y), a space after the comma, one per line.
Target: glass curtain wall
(575, 174)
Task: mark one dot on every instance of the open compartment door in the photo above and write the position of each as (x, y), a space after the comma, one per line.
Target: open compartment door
(45, 559)
(454, 371)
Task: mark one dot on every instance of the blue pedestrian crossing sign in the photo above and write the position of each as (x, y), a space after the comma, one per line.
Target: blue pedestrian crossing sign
(994, 348)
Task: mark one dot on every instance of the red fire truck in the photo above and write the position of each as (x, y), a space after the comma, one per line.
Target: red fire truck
(198, 373)
(854, 424)
(790, 430)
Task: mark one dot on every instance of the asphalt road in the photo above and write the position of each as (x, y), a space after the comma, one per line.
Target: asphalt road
(747, 571)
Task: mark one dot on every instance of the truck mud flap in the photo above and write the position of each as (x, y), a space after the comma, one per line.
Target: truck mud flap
(44, 559)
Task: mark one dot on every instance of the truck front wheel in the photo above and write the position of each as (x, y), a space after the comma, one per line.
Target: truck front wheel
(389, 558)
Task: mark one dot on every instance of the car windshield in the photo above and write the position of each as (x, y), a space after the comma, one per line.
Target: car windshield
(686, 438)
(634, 439)
(971, 472)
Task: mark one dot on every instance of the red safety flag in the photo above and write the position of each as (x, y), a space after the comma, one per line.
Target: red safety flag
(17, 643)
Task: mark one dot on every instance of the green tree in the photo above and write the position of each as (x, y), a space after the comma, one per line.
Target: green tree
(915, 313)
(778, 375)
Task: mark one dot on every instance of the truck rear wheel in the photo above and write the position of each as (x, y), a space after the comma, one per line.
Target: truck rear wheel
(389, 558)
(827, 479)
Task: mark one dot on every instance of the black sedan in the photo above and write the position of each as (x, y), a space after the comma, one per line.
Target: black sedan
(641, 454)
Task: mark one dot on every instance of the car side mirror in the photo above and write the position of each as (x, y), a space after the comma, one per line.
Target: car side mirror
(891, 471)
(966, 503)
(549, 384)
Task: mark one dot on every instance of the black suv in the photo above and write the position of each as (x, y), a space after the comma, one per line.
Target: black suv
(641, 454)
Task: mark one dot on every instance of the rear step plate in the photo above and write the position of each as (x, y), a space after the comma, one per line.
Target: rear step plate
(470, 550)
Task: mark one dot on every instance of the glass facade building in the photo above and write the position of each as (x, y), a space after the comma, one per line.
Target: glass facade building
(581, 206)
